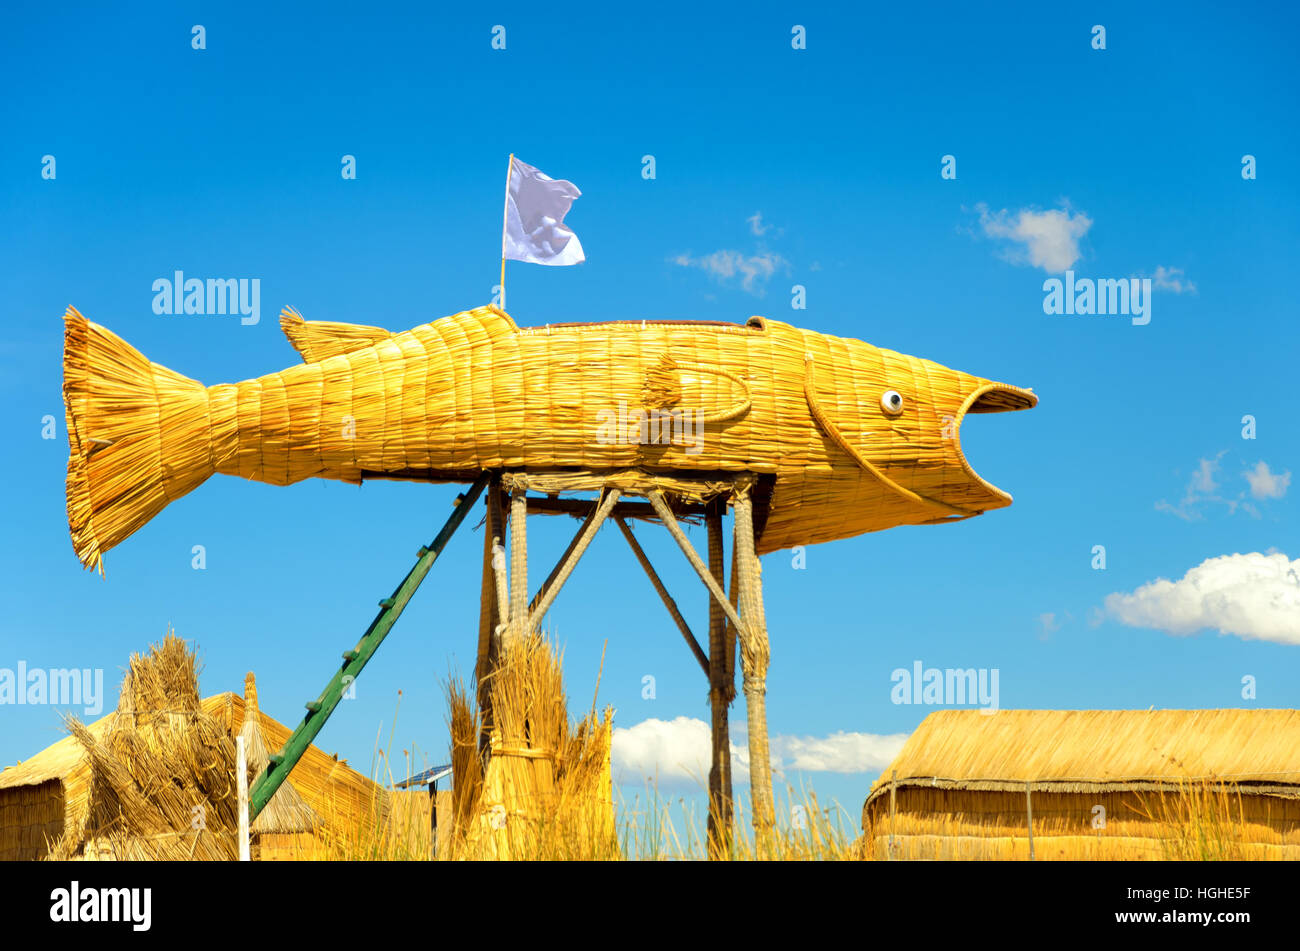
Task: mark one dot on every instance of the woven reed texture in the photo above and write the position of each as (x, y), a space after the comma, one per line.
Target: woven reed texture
(1169, 781)
(473, 391)
(990, 825)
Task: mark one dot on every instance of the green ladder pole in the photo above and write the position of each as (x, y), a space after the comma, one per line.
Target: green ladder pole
(355, 660)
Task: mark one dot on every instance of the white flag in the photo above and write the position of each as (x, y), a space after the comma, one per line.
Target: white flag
(535, 208)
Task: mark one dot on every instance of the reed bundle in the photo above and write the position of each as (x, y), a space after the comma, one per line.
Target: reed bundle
(161, 774)
(545, 789)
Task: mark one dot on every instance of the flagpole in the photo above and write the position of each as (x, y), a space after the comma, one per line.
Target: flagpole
(505, 217)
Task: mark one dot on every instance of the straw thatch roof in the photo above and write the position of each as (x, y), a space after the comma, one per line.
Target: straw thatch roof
(342, 798)
(286, 813)
(1100, 751)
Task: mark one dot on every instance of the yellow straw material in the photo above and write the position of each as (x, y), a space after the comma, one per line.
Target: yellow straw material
(473, 391)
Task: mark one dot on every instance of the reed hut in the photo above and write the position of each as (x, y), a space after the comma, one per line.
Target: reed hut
(128, 784)
(286, 827)
(1091, 784)
(348, 806)
(42, 796)
(150, 781)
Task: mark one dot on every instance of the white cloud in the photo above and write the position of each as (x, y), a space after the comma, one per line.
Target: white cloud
(838, 753)
(674, 753)
(1254, 596)
(1265, 484)
(677, 753)
(1050, 239)
(1201, 489)
(1172, 279)
(754, 270)
(756, 224)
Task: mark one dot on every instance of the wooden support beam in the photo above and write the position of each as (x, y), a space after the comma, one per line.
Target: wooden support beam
(684, 543)
(515, 632)
(546, 596)
(592, 509)
(685, 511)
(729, 649)
(491, 598)
(754, 658)
(489, 617)
(720, 803)
(667, 598)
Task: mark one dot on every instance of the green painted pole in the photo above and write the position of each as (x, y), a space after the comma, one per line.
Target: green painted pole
(355, 660)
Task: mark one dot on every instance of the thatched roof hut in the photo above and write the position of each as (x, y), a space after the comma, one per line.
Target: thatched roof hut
(150, 781)
(42, 796)
(127, 785)
(1091, 784)
(339, 803)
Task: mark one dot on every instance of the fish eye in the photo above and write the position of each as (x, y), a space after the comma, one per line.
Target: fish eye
(892, 403)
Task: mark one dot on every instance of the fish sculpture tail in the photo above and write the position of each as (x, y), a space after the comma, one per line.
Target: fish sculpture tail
(139, 437)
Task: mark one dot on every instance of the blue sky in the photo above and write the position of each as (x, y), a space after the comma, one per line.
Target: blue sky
(1122, 162)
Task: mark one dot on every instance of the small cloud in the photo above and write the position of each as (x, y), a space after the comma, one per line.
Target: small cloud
(1265, 484)
(1201, 490)
(756, 225)
(1204, 485)
(1047, 239)
(677, 753)
(1172, 279)
(674, 753)
(1203, 478)
(753, 270)
(838, 753)
(1253, 596)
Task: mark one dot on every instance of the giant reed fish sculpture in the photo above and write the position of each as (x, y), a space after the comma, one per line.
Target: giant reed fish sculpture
(852, 438)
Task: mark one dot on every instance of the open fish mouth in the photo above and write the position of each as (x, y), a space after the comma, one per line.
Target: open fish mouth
(990, 398)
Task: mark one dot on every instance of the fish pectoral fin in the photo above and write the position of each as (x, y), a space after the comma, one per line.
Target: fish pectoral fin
(317, 340)
(709, 393)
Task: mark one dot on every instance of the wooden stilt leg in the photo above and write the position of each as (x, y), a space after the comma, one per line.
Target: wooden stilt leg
(489, 612)
(754, 657)
(515, 631)
(729, 648)
(720, 816)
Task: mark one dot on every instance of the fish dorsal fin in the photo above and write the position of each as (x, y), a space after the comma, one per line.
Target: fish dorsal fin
(318, 340)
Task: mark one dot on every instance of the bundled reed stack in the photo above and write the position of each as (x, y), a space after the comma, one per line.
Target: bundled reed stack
(284, 826)
(161, 777)
(542, 788)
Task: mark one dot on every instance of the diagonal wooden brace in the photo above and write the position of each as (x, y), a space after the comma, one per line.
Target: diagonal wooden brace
(667, 598)
(670, 522)
(580, 542)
